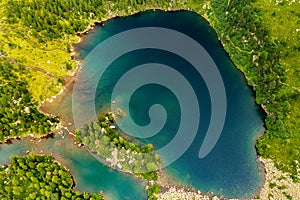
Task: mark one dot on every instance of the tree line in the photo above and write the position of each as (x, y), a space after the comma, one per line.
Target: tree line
(53, 19)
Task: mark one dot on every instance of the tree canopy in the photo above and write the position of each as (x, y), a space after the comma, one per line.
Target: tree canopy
(38, 177)
(18, 113)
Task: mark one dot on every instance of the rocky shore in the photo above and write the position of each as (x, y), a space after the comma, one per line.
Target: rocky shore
(278, 184)
(174, 193)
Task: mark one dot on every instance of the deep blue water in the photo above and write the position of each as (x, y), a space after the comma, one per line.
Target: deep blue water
(231, 168)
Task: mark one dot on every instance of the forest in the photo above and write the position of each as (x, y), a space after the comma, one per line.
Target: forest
(38, 177)
(19, 115)
(55, 18)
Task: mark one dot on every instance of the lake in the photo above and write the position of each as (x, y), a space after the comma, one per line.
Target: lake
(229, 168)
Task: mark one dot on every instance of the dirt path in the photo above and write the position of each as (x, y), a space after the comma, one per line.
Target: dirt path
(28, 67)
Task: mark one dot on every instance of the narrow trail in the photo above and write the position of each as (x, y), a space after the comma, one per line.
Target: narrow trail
(286, 84)
(12, 60)
(293, 87)
(238, 48)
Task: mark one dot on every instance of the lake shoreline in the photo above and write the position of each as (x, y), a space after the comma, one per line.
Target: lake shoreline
(260, 133)
(78, 67)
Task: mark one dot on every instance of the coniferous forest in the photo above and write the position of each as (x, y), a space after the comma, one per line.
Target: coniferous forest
(38, 177)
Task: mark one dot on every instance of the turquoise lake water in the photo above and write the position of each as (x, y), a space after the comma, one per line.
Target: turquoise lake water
(230, 169)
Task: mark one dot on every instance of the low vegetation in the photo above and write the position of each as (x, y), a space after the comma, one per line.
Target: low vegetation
(38, 177)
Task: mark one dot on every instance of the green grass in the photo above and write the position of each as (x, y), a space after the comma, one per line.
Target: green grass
(41, 86)
(18, 42)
